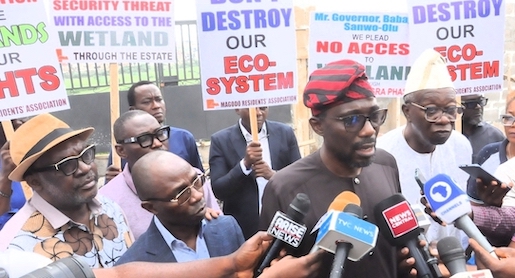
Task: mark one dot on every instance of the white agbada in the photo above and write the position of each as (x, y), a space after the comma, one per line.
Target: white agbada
(445, 159)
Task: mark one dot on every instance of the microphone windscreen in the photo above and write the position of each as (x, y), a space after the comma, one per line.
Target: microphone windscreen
(343, 199)
(299, 207)
(452, 255)
(396, 220)
(354, 210)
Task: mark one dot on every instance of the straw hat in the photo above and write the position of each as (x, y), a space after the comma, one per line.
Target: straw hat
(38, 135)
(428, 72)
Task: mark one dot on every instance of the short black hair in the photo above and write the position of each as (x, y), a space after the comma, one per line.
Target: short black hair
(119, 124)
(131, 94)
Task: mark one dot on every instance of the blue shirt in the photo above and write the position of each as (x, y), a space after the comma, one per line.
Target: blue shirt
(179, 249)
(17, 201)
(181, 143)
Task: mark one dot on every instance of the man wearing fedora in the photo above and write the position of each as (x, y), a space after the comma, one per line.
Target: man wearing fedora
(64, 217)
(428, 141)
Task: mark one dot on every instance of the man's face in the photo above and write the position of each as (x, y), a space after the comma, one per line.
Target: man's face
(473, 115)
(438, 132)
(261, 114)
(148, 98)
(170, 184)
(138, 125)
(355, 149)
(63, 191)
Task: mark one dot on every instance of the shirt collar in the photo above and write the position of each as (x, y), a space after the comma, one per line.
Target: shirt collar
(248, 137)
(169, 238)
(127, 176)
(54, 216)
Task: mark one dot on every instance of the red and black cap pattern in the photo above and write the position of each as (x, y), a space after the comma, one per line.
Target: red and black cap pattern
(337, 82)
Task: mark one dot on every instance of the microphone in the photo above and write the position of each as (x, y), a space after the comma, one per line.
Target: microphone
(343, 247)
(453, 256)
(452, 205)
(338, 204)
(286, 229)
(424, 223)
(398, 224)
(346, 227)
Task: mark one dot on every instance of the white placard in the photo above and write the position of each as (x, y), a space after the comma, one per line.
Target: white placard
(114, 31)
(31, 82)
(470, 34)
(247, 53)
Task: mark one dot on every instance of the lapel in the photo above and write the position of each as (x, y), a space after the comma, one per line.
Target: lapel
(274, 145)
(214, 239)
(238, 142)
(156, 246)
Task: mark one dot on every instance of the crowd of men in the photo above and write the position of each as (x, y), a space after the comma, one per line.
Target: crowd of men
(162, 207)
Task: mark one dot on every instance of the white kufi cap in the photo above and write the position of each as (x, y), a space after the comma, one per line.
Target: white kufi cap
(428, 72)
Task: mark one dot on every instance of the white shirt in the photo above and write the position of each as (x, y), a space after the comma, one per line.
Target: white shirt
(445, 159)
(263, 139)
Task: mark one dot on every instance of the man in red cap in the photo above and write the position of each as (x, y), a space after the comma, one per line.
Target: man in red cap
(346, 115)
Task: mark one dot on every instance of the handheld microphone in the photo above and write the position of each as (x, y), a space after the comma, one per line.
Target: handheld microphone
(338, 204)
(343, 247)
(452, 205)
(398, 224)
(453, 256)
(286, 229)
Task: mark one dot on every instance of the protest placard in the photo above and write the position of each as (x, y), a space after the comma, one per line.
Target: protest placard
(247, 53)
(469, 34)
(111, 31)
(377, 40)
(31, 82)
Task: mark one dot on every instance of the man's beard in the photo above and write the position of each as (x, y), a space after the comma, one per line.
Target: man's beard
(351, 161)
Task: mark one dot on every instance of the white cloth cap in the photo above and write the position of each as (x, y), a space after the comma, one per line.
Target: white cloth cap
(428, 72)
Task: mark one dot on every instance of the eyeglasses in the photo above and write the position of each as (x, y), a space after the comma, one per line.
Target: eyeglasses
(354, 123)
(185, 194)
(507, 120)
(472, 104)
(147, 139)
(434, 113)
(69, 165)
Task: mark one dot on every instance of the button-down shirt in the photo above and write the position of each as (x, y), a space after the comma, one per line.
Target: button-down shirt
(41, 228)
(263, 139)
(179, 249)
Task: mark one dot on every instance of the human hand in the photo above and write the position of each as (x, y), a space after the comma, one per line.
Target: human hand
(211, 214)
(262, 169)
(305, 266)
(253, 154)
(429, 211)
(7, 162)
(246, 258)
(500, 268)
(406, 263)
(111, 172)
(492, 194)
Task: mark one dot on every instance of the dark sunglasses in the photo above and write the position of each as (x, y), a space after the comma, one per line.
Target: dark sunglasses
(472, 104)
(354, 123)
(147, 139)
(69, 165)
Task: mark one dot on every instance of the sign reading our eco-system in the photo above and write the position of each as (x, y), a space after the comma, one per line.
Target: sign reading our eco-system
(247, 53)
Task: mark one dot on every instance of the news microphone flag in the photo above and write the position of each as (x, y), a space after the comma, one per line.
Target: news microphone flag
(338, 204)
(452, 205)
(422, 219)
(286, 230)
(343, 226)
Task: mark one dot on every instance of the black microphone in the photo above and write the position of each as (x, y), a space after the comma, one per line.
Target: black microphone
(398, 224)
(452, 254)
(286, 229)
(343, 247)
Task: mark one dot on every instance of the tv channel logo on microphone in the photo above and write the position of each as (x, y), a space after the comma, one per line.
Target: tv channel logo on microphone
(287, 230)
(400, 218)
(446, 198)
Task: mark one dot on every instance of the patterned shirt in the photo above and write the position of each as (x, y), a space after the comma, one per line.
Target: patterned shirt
(40, 228)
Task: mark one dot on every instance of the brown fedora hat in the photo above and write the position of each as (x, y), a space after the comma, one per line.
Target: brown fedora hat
(39, 134)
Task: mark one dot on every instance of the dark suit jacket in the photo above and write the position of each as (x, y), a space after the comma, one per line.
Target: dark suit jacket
(239, 192)
(222, 235)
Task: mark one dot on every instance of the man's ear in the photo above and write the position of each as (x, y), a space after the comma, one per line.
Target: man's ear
(120, 150)
(405, 111)
(34, 182)
(149, 206)
(316, 125)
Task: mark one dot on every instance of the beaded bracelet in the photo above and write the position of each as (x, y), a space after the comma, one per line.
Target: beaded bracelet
(5, 195)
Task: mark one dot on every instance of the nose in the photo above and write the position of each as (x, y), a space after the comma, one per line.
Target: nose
(446, 119)
(367, 130)
(196, 194)
(83, 167)
(156, 144)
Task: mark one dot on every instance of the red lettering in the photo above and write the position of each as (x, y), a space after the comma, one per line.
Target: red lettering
(379, 48)
(474, 71)
(212, 86)
(254, 82)
(455, 52)
(230, 64)
(50, 81)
